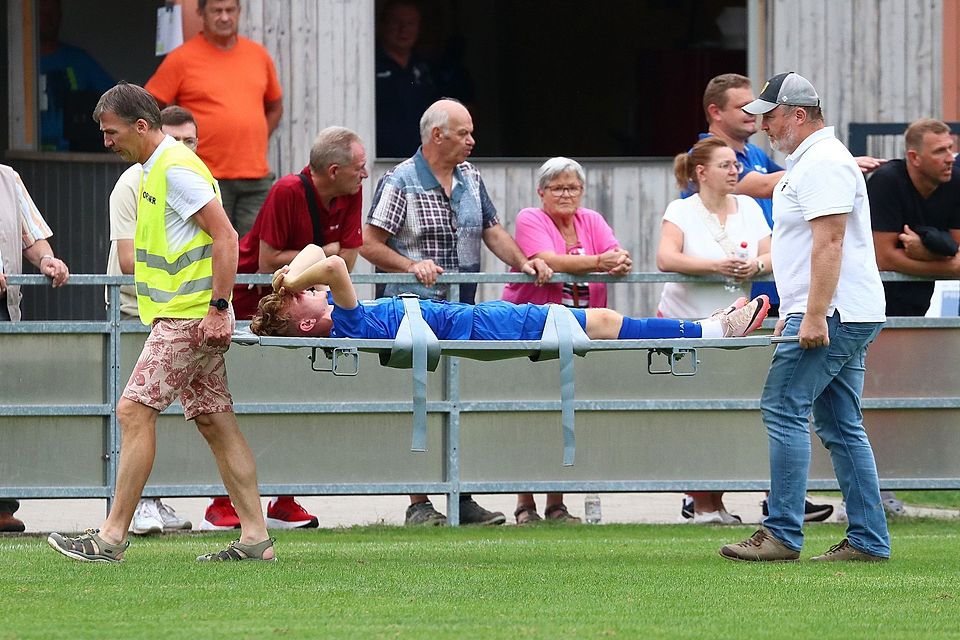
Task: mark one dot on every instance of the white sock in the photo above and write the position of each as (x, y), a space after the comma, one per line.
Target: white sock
(711, 328)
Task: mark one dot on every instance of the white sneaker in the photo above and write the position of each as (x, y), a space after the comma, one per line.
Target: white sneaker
(740, 322)
(171, 521)
(707, 517)
(841, 512)
(729, 518)
(146, 519)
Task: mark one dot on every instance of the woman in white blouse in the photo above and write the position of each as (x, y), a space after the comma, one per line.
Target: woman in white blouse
(703, 235)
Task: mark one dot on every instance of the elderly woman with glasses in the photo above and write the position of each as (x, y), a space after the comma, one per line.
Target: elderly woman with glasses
(570, 239)
(713, 232)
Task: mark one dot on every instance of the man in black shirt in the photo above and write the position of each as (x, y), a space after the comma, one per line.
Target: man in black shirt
(405, 85)
(915, 209)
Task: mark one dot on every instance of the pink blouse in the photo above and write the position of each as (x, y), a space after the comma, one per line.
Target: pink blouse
(536, 233)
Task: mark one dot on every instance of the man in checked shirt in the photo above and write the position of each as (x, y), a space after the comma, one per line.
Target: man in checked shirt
(429, 215)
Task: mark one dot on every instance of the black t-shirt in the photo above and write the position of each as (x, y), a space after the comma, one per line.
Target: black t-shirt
(403, 94)
(895, 202)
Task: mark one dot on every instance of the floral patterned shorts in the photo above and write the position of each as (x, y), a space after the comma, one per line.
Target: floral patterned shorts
(175, 361)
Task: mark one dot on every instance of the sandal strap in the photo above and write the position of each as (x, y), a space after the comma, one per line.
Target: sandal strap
(91, 544)
(523, 508)
(237, 550)
(253, 551)
(555, 509)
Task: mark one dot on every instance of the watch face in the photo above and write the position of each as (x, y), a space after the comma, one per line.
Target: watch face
(220, 303)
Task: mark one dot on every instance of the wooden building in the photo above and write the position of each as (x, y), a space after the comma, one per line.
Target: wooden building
(871, 60)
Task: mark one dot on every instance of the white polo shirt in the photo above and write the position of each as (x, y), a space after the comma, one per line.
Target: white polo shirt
(822, 178)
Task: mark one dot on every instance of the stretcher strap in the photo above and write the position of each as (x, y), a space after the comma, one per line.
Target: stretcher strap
(417, 339)
(565, 340)
(562, 338)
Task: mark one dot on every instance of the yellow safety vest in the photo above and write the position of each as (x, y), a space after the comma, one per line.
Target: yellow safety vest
(171, 284)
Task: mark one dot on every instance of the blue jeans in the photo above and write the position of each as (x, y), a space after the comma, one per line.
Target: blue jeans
(826, 382)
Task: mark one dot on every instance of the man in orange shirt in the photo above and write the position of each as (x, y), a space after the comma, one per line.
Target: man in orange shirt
(230, 85)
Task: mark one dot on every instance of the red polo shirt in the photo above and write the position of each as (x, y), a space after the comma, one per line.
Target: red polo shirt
(284, 223)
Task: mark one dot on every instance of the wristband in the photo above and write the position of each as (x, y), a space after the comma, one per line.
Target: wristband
(760, 266)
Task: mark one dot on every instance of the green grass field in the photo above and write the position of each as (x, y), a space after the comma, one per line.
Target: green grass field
(943, 499)
(624, 581)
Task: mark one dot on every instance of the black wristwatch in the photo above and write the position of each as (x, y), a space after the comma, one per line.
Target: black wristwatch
(220, 303)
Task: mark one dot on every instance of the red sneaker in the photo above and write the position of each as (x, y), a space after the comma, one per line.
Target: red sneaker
(220, 516)
(286, 513)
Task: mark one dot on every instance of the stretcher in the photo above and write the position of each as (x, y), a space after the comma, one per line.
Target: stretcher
(416, 347)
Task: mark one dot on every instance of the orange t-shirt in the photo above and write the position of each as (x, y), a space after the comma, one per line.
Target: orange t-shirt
(226, 92)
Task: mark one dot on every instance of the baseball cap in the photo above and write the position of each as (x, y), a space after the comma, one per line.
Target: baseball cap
(784, 88)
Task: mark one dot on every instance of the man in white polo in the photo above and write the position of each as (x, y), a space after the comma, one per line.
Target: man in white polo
(831, 297)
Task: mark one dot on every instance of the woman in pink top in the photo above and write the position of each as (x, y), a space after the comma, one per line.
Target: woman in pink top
(570, 239)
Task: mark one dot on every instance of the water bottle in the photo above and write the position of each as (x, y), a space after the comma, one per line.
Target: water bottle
(591, 508)
(733, 285)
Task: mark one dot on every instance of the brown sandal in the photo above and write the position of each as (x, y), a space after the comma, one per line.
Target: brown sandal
(527, 515)
(559, 513)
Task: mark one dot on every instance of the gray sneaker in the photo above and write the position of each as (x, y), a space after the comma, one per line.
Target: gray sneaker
(171, 521)
(845, 552)
(424, 513)
(472, 513)
(892, 504)
(760, 547)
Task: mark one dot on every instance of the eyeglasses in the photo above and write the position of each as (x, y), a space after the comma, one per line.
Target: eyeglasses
(725, 166)
(560, 191)
(190, 142)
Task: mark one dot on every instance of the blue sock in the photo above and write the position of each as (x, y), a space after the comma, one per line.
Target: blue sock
(642, 328)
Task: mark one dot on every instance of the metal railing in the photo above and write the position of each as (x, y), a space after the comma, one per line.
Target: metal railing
(453, 408)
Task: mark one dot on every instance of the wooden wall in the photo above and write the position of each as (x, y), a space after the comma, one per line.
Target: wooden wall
(324, 52)
(870, 60)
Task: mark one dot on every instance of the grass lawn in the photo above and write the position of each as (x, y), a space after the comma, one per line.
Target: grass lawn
(623, 581)
(941, 499)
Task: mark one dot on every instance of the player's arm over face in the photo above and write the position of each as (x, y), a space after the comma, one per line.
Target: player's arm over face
(311, 268)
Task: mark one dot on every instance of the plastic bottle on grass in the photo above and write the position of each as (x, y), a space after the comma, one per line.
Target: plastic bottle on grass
(591, 508)
(733, 285)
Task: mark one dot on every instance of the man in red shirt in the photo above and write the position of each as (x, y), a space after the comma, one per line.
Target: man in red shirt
(230, 85)
(285, 225)
(319, 205)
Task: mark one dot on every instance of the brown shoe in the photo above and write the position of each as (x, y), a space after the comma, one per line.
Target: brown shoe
(527, 515)
(843, 551)
(760, 547)
(10, 524)
(559, 513)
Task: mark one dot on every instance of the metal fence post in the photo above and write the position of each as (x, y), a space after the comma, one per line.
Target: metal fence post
(113, 393)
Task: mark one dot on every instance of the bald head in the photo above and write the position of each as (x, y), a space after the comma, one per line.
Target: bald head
(446, 132)
(438, 115)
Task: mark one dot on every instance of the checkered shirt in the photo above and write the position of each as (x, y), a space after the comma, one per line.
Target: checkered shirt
(424, 223)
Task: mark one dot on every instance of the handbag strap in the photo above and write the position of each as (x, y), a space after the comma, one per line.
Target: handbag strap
(314, 208)
(712, 223)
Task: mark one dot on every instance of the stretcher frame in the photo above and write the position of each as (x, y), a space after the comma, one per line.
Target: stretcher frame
(417, 348)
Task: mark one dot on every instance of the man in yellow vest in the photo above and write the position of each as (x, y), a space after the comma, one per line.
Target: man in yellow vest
(185, 266)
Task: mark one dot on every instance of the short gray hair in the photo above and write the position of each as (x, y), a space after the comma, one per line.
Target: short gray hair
(558, 166)
(333, 145)
(814, 114)
(435, 116)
